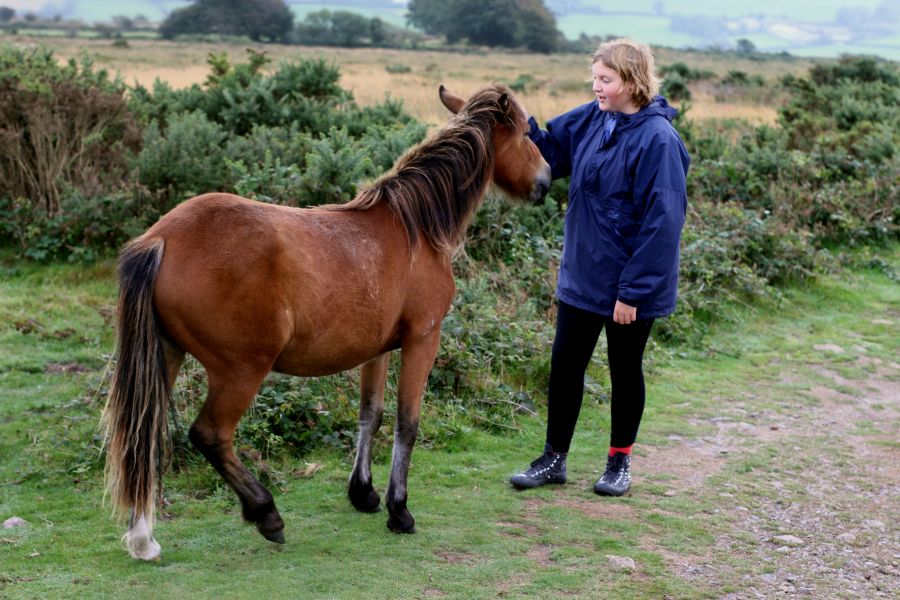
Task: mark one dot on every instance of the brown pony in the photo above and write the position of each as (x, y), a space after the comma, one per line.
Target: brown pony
(248, 288)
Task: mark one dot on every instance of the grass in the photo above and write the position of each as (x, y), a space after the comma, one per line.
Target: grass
(710, 412)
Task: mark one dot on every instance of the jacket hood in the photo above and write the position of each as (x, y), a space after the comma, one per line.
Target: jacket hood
(658, 107)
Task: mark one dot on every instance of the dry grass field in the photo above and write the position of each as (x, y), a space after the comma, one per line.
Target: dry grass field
(560, 80)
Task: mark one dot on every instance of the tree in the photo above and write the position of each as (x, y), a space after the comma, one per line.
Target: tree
(745, 46)
(349, 28)
(123, 23)
(537, 27)
(261, 20)
(507, 23)
(7, 14)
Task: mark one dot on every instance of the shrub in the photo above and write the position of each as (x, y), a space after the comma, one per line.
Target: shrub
(398, 68)
(334, 167)
(186, 159)
(61, 127)
(85, 229)
(522, 82)
(297, 415)
(674, 87)
(269, 181)
(684, 72)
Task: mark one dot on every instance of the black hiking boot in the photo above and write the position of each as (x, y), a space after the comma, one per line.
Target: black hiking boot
(550, 467)
(617, 478)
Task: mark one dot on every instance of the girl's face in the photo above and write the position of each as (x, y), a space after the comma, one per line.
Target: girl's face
(612, 94)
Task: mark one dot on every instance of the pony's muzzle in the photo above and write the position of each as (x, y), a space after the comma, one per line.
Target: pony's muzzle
(541, 184)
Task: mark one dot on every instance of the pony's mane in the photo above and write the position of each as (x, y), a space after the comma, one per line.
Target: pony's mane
(436, 187)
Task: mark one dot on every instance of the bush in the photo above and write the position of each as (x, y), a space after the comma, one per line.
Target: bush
(85, 229)
(262, 135)
(187, 158)
(674, 87)
(683, 71)
(334, 167)
(61, 128)
(522, 82)
(398, 68)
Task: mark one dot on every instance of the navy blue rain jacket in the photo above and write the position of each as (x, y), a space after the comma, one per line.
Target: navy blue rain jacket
(627, 203)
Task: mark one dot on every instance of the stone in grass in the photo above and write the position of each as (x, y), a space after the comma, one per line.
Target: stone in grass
(829, 348)
(622, 563)
(788, 540)
(14, 522)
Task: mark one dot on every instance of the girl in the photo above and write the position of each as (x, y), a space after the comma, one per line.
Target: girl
(619, 269)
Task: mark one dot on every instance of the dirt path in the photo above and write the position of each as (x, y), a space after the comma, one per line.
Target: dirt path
(797, 478)
(820, 517)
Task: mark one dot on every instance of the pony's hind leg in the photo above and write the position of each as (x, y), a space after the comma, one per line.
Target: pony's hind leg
(231, 391)
(372, 376)
(139, 538)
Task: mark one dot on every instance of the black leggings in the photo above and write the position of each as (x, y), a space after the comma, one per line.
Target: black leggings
(577, 332)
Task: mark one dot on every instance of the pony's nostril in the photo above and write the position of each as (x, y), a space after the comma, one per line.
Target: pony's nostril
(541, 187)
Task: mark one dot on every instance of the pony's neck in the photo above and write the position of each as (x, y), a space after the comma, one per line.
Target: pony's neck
(436, 188)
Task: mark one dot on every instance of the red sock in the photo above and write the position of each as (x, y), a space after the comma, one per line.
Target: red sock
(625, 450)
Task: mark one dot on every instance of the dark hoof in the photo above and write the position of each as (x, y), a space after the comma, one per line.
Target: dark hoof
(402, 524)
(272, 527)
(364, 499)
(273, 536)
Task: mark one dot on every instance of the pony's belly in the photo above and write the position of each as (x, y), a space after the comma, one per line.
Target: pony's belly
(316, 360)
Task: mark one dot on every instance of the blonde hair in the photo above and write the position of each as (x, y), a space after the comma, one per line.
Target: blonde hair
(634, 64)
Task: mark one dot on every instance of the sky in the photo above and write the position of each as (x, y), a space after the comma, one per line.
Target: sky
(813, 27)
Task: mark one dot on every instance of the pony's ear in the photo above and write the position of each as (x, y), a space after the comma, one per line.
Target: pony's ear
(503, 101)
(453, 103)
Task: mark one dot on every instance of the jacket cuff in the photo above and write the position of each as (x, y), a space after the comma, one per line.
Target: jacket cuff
(627, 300)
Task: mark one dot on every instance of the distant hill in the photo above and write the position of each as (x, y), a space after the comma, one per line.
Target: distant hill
(801, 27)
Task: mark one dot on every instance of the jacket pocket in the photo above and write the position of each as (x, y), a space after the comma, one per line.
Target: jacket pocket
(623, 225)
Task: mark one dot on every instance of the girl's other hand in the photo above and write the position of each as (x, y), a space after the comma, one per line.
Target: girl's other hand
(624, 314)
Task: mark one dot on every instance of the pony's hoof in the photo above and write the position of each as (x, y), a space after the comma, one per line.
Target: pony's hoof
(274, 536)
(365, 499)
(272, 527)
(402, 524)
(144, 549)
(139, 541)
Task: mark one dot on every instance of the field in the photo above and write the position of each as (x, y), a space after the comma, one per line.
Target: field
(560, 81)
(768, 462)
(767, 465)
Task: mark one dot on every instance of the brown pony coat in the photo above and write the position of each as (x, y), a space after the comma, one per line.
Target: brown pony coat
(247, 287)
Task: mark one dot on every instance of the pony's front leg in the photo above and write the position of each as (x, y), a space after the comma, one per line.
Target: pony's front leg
(372, 376)
(416, 361)
(139, 538)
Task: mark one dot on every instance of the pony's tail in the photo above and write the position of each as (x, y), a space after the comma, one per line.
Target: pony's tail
(135, 417)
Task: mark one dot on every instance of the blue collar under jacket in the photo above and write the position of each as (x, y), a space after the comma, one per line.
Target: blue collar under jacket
(627, 204)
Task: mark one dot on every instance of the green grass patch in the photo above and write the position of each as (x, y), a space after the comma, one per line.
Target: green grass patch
(476, 537)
